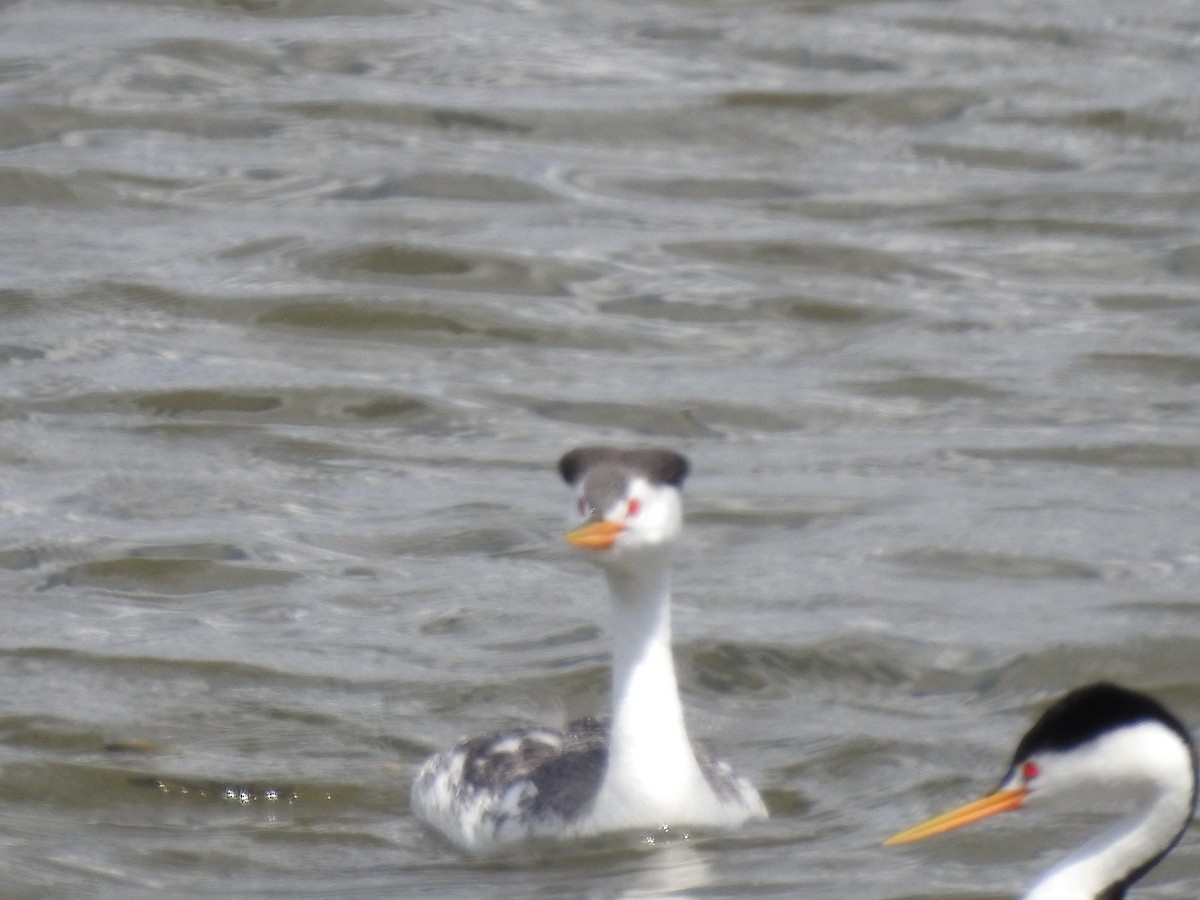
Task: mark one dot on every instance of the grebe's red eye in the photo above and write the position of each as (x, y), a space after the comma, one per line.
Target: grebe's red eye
(582, 506)
(1030, 771)
(633, 507)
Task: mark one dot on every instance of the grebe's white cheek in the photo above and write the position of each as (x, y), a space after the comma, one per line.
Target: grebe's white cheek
(1069, 782)
(662, 515)
(1056, 782)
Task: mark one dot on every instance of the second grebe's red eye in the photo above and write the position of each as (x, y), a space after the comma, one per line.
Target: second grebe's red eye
(633, 508)
(1030, 771)
(582, 506)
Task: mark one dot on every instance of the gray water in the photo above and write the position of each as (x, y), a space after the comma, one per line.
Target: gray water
(302, 299)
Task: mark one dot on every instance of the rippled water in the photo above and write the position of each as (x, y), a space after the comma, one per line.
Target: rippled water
(301, 301)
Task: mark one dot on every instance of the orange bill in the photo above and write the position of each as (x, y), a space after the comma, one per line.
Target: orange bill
(595, 535)
(1001, 801)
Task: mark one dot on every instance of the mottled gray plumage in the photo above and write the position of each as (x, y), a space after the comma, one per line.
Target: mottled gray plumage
(564, 767)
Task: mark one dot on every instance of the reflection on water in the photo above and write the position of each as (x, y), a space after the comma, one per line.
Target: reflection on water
(302, 300)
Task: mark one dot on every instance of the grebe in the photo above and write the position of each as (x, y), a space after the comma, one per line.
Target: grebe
(1104, 741)
(637, 771)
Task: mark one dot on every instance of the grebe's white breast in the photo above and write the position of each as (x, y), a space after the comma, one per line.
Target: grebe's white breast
(637, 770)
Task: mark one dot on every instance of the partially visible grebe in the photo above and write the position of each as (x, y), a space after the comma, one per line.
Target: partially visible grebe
(1101, 741)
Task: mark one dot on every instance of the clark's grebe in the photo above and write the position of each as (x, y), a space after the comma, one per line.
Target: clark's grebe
(637, 771)
(1097, 741)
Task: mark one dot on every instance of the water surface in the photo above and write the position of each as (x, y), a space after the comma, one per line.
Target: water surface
(302, 300)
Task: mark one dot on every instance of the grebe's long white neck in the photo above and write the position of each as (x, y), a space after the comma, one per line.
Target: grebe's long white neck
(651, 764)
(647, 715)
(1099, 742)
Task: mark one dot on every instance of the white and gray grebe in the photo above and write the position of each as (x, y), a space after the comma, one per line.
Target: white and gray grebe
(637, 771)
(1100, 741)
